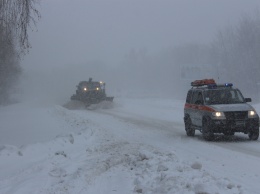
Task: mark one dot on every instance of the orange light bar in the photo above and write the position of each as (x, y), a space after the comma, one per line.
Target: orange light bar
(203, 82)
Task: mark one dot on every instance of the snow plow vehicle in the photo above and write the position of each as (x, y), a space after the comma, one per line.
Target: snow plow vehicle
(91, 92)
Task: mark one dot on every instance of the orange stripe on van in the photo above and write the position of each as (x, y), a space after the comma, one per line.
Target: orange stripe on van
(199, 107)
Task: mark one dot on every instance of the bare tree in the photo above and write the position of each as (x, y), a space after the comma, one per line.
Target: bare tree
(237, 53)
(16, 16)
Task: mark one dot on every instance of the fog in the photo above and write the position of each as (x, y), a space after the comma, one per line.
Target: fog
(126, 43)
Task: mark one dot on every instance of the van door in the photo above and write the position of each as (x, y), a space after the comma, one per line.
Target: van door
(197, 103)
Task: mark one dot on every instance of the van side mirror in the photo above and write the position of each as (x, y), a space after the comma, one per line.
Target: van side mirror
(248, 100)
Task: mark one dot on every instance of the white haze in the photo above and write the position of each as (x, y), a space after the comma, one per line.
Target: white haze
(79, 39)
(134, 145)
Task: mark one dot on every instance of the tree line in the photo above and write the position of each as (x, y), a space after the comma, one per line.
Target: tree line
(236, 53)
(232, 56)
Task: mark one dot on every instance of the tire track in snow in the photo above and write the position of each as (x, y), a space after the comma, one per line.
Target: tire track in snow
(236, 143)
(145, 122)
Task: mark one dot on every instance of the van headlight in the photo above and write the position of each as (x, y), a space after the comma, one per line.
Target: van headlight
(252, 114)
(218, 115)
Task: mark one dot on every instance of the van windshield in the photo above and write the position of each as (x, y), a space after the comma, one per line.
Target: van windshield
(223, 96)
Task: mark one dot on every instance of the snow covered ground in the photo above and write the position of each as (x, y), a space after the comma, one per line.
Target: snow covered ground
(135, 145)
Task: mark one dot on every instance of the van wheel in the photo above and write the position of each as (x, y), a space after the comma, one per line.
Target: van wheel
(206, 130)
(190, 131)
(253, 134)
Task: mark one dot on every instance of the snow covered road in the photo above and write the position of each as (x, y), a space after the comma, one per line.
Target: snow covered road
(135, 146)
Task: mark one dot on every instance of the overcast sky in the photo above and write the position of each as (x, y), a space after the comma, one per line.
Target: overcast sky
(73, 32)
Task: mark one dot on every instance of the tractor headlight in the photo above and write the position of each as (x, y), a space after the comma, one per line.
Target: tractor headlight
(97, 89)
(85, 89)
(252, 114)
(218, 115)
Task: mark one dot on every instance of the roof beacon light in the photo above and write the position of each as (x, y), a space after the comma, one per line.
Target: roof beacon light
(228, 84)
